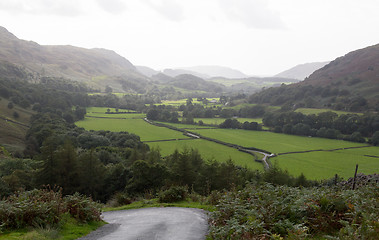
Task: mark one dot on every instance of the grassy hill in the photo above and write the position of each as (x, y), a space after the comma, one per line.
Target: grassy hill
(81, 64)
(301, 71)
(13, 126)
(349, 83)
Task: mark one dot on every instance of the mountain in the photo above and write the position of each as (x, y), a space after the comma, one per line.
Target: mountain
(217, 71)
(206, 72)
(93, 66)
(359, 68)
(349, 83)
(177, 71)
(148, 72)
(301, 71)
(191, 82)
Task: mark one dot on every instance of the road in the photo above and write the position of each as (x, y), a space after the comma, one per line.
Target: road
(153, 223)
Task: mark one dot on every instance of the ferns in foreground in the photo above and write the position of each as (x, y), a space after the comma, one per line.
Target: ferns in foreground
(270, 212)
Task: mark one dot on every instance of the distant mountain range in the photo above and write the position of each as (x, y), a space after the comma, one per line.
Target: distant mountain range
(301, 71)
(204, 72)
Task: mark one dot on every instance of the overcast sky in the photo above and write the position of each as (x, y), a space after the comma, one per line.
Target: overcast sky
(257, 37)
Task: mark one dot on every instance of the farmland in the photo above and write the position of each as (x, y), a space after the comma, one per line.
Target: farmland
(146, 131)
(322, 165)
(274, 142)
(209, 150)
(163, 138)
(327, 157)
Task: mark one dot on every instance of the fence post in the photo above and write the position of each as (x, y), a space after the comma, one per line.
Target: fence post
(355, 176)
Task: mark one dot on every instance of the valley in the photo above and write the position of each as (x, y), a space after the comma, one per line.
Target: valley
(316, 158)
(84, 131)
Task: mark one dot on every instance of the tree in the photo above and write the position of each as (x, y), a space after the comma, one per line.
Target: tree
(16, 115)
(10, 105)
(375, 138)
(152, 114)
(108, 89)
(92, 173)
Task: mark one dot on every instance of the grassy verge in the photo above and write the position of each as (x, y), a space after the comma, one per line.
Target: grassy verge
(154, 203)
(70, 229)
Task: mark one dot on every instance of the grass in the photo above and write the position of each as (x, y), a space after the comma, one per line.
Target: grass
(324, 165)
(274, 142)
(154, 203)
(209, 150)
(314, 165)
(12, 135)
(146, 131)
(71, 229)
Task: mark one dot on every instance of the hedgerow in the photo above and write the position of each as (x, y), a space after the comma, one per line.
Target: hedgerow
(270, 212)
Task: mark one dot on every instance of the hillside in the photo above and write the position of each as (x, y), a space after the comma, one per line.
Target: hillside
(301, 71)
(350, 83)
(252, 84)
(14, 123)
(148, 72)
(191, 82)
(217, 71)
(92, 66)
(357, 70)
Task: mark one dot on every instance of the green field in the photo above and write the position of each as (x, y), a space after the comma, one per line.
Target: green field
(314, 165)
(274, 142)
(146, 131)
(324, 165)
(209, 150)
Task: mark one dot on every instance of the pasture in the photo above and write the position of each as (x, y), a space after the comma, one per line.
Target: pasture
(314, 165)
(274, 142)
(324, 165)
(208, 150)
(146, 131)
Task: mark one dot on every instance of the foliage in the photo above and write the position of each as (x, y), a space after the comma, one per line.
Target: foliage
(45, 207)
(267, 211)
(173, 194)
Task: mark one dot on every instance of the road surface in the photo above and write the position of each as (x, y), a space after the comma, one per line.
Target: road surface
(153, 224)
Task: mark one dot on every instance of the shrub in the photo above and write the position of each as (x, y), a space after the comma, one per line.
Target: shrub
(45, 207)
(272, 212)
(83, 208)
(173, 194)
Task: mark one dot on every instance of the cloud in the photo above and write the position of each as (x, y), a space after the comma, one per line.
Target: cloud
(252, 13)
(112, 6)
(170, 9)
(67, 8)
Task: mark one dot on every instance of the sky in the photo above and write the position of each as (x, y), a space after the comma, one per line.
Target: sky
(257, 37)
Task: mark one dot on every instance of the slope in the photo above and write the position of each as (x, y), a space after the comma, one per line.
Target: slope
(301, 71)
(349, 83)
(93, 66)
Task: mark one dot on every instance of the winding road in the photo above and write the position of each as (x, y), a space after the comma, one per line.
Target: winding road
(153, 223)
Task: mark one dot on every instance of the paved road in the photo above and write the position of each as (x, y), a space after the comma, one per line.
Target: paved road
(153, 224)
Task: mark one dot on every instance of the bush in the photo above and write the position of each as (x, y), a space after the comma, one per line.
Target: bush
(173, 194)
(44, 208)
(83, 208)
(276, 212)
